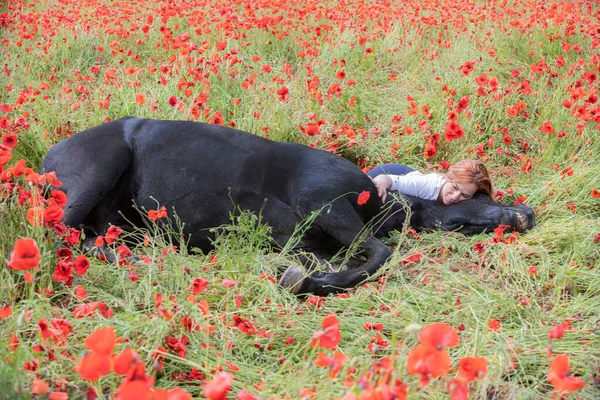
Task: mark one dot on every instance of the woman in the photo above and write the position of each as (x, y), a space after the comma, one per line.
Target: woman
(462, 181)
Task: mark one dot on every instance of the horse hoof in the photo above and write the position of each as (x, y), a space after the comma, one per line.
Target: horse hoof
(292, 278)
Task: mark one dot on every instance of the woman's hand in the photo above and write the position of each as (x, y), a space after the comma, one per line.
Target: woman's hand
(382, 183)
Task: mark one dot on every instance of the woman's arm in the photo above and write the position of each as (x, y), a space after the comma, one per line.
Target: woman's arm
(414, 184)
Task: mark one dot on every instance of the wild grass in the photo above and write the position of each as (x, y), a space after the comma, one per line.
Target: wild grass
(73, 65)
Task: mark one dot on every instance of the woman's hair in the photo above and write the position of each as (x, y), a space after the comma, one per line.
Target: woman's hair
(471, 171)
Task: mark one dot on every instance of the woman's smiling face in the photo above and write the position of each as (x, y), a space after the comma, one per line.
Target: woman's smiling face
(453, 192)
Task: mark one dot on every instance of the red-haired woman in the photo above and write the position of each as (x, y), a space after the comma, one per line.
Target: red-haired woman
(462, 181)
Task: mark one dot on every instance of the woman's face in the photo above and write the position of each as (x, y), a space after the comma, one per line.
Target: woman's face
(453, 192)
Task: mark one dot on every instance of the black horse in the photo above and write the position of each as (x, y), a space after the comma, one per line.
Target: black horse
(204, 172)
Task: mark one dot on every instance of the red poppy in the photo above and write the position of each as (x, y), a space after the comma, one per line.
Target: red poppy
(25, 255)
(5, 312)
(471, 368)
(173, 394)
(596, 193)
(58, 198)
(330, 336)
(219, 386)
(558, 331)
(244, 325)
(520, 199)
(439, 336)
(283, 93)
(157, 214)
(363, 197)
(5, 156)
(80, 293)
(112, 234)
(124, 361)
(63, 272)
(81, 265)
(39, 387)
(216, 119)
(494, 325)
(72, 237)
(334, 364)
(198, 285)
(430, 151)
(35, 216)
(53, 214)
(427, 361)
(458, 390)
(13, 342)
(467, 68)
(136, 385)
(559, 378)
(102, 340)
(228, 283)
(547, 127)
(94, 365)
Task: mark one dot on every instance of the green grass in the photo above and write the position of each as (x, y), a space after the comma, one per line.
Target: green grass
(74, 72)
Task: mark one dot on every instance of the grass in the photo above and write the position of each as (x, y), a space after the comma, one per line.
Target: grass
(73, 65)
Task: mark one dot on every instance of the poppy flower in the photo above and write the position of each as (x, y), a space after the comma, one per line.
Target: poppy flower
(94, 365)
(25, 255)
(72, 237)
(494, 325)
(5, 312)
(198, 285)
(58, 198)
(427, 361)
(430, 151)
(173, 394)
(53, 214)
(123, 361)
(559, 378)
(458, 390)
(245, 395)
(558, 331)
(334, 364)
(35, 216)
(80, 293)
(439, 336)
(62, 272)
(13, 342)
(81, 265)
(39, 387)
(330, 336)
(157, 214)
(283, 93)
(112, 234)
(219, 386)
(228, 283)
(363, 197)
(471, 368)
(596, 193)
(102, 340)
(244, 325)
(5, 155)
(136, 385)
(547, 127)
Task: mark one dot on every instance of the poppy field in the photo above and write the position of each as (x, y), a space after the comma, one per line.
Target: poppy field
(423, 83)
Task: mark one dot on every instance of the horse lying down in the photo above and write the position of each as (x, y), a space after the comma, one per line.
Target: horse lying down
(203, 173)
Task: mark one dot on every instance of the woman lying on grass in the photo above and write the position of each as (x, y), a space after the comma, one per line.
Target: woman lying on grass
(462, 182)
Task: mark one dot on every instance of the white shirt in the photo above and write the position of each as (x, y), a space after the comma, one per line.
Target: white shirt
(423, 186)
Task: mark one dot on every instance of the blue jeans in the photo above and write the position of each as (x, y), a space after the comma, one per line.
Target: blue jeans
(394, 169)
